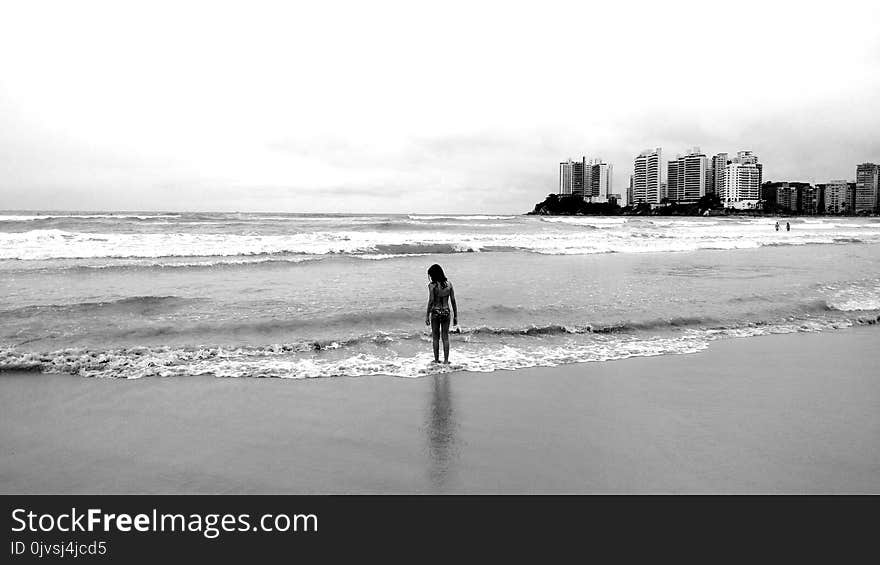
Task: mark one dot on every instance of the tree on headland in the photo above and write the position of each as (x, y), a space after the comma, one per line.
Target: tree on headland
(573, 205)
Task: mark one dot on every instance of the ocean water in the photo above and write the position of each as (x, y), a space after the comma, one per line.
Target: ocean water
(129, 295)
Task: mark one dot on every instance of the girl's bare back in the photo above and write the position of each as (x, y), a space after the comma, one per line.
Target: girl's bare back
(441, 295)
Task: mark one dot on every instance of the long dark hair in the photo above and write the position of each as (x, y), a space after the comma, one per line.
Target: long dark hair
(435, 271)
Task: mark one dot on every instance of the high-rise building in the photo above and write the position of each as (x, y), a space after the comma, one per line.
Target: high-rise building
(686, 177)
(671, 192)
(580, 177)
(565, 177)
(600, 180)
(811, 200)
(867, 193)
(717, 164)
(837, 197)
(768, 195)
(710, 178)
(738, 182)
(646, 177)
(575, 178)
(629, 192)
(787, 197)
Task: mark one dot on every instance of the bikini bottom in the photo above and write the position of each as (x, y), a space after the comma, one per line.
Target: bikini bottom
(440, 314)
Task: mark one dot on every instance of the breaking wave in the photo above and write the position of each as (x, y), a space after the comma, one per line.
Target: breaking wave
(253, 238)
(478, 349)
(857, 296)
(135, 304)
(279, 362)
(463, 218)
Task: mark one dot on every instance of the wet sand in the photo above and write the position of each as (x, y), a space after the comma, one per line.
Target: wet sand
(797, 413)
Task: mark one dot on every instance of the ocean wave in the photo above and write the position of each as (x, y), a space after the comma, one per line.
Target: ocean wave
(190, 327)
(550, 236)
(18, 218)
(405, 353)
(164, 263)
(136, 304)
(468, 217)
(590, 221)
(189, 331)
(47, 244)
(311, 360)
(854, 296)
(193, 330)
(283, 363)
(600, 328)
(423, 249)
(30, 218)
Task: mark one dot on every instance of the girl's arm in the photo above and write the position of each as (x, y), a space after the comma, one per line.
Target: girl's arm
(430, 303)
(454, 305)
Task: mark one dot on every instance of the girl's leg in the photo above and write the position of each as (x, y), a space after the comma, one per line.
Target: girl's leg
(435, 334)
(444, 333)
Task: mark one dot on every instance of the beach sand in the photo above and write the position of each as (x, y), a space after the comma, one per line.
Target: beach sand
(796, 413)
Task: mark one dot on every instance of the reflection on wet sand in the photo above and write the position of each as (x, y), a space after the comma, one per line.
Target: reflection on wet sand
(441, 434)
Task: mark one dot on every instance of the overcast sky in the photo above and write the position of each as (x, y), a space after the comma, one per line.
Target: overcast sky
(412, 106)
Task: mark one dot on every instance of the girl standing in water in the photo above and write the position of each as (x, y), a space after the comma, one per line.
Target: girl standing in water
(440, 294)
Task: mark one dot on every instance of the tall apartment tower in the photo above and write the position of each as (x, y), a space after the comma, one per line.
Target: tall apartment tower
(686, 177)
(629, 192)
(851, 197)
(672, 168)
(749, 158)
(574, 178)
(836, 201)
(580, 178)
(738, 180)
(838, 197)
(717, 164)
(565, 177)
(600, 180)
(867, 193)
(646, 177)
(710, 177)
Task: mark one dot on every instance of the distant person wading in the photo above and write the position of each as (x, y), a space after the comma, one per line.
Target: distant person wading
(440, 294)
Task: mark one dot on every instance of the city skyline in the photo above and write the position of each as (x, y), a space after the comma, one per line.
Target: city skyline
(737, 182)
